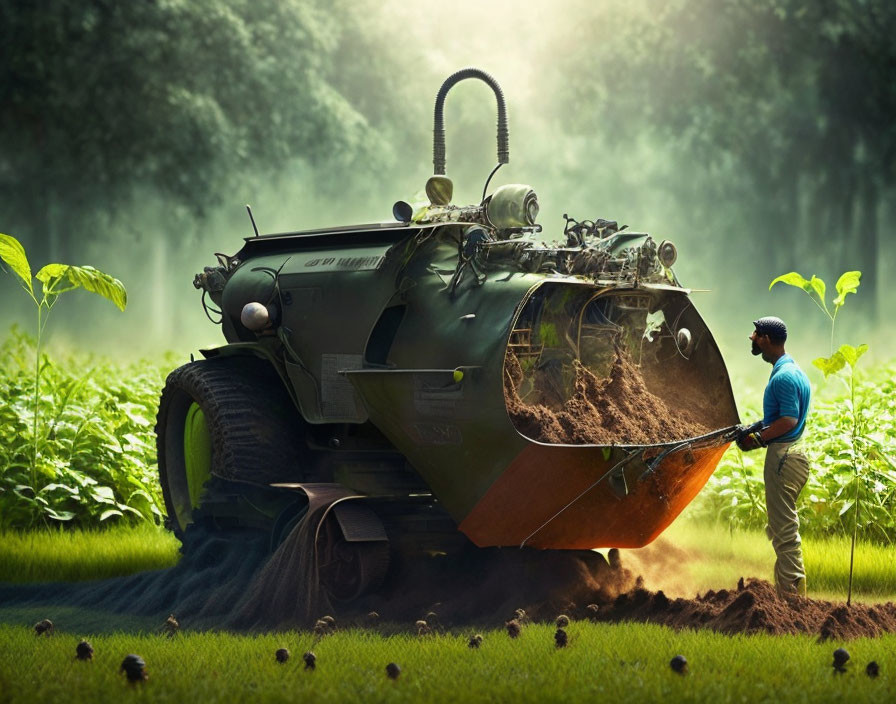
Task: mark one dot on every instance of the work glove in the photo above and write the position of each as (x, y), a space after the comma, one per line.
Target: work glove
(748, 437)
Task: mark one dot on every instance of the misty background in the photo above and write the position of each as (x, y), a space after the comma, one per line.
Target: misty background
(759, 137)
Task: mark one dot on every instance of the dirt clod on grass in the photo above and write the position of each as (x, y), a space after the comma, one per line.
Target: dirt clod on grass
(134, 667)
(679, 664)
(84, 650)
(171, 626)
(561, 639)
(618, 409)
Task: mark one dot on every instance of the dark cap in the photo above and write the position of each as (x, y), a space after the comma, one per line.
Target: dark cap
(771, 326)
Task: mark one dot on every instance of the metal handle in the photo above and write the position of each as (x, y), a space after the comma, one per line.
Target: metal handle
(438, 142)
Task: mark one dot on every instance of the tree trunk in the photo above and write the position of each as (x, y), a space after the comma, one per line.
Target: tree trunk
(159, 313)
(56, 249)
(868, 245)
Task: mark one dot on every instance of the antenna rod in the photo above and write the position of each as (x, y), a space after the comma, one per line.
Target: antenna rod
(254, 226)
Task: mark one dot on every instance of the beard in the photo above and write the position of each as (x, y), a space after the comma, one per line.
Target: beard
(755, 349)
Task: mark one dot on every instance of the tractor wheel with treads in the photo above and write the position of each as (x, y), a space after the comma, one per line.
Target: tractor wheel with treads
(229, 418)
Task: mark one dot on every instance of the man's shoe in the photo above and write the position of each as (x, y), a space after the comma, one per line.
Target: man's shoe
(795, 588)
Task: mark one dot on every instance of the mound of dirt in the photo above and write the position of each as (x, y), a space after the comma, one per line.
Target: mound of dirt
(753, 607)
(618, 409)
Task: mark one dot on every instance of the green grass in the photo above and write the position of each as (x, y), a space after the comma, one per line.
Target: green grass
(712, 557)
(689, 557)
(692, 557)
(68, 556)
(602, 663)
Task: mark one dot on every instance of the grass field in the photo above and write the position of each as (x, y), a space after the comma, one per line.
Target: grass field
(627, 662)
(69, 556)
(714, 557)
(688, 558)
(601, 663)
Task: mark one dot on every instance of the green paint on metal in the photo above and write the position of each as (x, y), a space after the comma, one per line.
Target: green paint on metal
(197, 452)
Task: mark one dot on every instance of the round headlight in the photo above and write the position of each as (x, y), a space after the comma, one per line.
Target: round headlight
(666, 253)
(255, 316)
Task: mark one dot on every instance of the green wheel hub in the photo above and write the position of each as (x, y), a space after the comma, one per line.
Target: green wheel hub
(197, 452)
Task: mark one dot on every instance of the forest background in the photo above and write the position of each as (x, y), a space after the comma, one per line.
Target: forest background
(760, 137)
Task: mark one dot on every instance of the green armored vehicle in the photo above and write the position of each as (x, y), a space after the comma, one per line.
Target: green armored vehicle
(454, 376)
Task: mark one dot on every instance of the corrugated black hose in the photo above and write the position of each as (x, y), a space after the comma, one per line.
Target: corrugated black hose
(438, 144)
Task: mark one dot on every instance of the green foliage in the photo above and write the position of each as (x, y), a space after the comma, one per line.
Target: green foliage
(53, 279)
(846, 284)
(846, 355)
(182, 97)
(12, 252)
(94, 454)
(777, 89)
(735, 495)
(810, 286)
(86, 277)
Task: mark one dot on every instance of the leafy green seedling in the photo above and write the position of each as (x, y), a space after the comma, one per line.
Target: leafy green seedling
(846, 284)
(54, 280)
(846, 355)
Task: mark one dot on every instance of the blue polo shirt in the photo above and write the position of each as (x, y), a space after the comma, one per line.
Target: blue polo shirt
(788, 394)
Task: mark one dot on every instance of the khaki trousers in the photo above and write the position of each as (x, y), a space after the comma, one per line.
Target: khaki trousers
(786, 471)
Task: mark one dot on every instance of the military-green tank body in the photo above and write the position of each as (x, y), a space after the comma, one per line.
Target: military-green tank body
(372, 369)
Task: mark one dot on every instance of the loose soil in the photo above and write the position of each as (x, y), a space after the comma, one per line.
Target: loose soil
(616, 410)
(753, 607)
(230, 581)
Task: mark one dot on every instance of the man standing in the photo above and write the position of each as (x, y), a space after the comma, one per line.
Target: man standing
(785, 405)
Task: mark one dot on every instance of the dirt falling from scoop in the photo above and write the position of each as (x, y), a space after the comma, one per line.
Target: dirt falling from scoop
(616, 410)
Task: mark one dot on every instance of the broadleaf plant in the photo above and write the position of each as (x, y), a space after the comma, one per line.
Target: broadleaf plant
(846, 284)
(845, 356)
(96, 431)
(55, 279)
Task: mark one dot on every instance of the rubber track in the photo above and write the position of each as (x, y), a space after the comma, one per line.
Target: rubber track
(257, 433)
